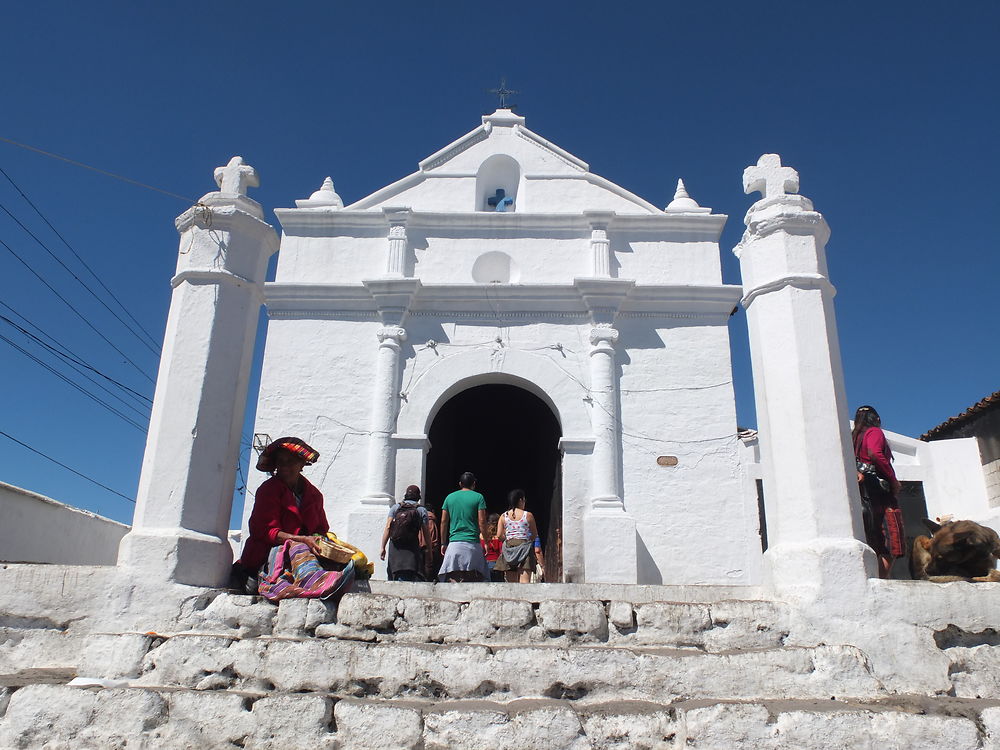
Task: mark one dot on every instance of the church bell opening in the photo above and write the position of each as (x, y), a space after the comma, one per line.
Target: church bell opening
(509, 438)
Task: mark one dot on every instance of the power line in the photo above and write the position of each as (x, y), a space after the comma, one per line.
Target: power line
(64, 352)
(78, 313)
(104, 172)
(77, 256)
(76, 368)
(82, 283)
(78, 387)
(84, 476)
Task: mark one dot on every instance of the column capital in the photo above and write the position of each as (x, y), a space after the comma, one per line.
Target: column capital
(603, 337)
(391, 334)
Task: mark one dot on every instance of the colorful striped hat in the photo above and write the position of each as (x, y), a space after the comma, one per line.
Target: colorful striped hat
(292, 444)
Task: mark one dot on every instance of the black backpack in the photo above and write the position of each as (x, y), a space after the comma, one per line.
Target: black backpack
(405, 524)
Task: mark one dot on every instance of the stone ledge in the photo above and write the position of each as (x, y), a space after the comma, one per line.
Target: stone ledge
(539, 592)
(422, 670)
(141, 718)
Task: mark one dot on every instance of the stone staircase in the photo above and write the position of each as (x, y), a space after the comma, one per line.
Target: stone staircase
(491, 666)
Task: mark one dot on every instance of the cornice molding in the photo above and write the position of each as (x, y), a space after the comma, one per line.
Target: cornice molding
(454, 148)
(348, 222)
(503, 302)
(548, 146)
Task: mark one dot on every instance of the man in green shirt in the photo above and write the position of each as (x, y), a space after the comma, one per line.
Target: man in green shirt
(463, 522)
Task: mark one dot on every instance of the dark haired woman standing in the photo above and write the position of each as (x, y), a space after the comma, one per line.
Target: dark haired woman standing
(518, 532)
(879, 486)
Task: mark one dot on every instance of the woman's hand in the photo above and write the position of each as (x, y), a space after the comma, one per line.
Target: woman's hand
(312, 542)
(381, 554)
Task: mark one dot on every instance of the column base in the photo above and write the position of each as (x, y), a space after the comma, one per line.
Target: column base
(609, 547)
(377, 498)
(364, 530)
(176, 555)
(830, 574)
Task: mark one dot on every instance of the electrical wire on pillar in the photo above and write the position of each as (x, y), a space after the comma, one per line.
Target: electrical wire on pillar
(501, 329)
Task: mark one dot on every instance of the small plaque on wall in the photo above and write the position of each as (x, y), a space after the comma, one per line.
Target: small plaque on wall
(666, 460)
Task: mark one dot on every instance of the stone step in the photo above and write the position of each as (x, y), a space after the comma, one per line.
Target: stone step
(458, 671)
(132, 718)
(717, 627)
(969, 671)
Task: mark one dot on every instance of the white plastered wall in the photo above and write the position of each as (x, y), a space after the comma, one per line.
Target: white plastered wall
(316, 385)
(673, 368)
(38, 529)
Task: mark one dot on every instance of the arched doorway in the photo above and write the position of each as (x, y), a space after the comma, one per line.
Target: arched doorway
(509, 438)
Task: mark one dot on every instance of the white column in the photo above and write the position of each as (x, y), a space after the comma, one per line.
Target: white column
(385, 407)
(606, 525)
(366, 521)
(810, 489)
(604, 418)
(600, 245)
(396, 256)
(188, 472)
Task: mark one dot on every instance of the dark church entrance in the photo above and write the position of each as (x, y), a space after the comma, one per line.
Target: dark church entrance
(509, 438)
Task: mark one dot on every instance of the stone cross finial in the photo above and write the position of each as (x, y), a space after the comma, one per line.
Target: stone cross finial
(770, 178)
(236, 177)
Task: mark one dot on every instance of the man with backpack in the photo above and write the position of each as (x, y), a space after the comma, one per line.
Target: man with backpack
(406, 536)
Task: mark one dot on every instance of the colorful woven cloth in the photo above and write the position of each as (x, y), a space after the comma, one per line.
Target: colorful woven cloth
(296, 573)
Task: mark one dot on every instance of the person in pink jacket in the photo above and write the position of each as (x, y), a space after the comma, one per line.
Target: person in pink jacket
(877, 481)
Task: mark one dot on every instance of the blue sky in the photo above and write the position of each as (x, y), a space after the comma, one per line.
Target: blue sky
(887, 110)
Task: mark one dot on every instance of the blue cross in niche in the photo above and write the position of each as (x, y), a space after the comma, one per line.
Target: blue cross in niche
(500, 201)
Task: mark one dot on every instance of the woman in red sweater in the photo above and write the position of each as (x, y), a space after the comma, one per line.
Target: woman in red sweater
(879, 486)
(287, 507)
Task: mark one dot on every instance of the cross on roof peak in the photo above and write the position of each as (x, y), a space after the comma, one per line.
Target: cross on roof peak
(236, 177)
(769, 178)
(503, 93)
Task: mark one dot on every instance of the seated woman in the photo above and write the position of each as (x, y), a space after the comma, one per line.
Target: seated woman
(285, 526)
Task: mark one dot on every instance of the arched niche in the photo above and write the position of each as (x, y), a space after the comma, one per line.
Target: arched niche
(495, 267)
(498, 172)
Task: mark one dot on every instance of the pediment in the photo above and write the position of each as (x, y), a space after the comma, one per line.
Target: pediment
(535, 175)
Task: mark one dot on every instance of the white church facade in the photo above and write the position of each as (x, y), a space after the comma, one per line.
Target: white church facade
(571, 341)
(505, 311)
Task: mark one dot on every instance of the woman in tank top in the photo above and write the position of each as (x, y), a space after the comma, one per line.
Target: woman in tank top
(518, 531)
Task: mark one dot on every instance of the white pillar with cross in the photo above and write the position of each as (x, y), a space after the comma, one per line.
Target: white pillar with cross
(810, 491)
(179, 530)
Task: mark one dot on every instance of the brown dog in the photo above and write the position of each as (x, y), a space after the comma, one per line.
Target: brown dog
(955, 551)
